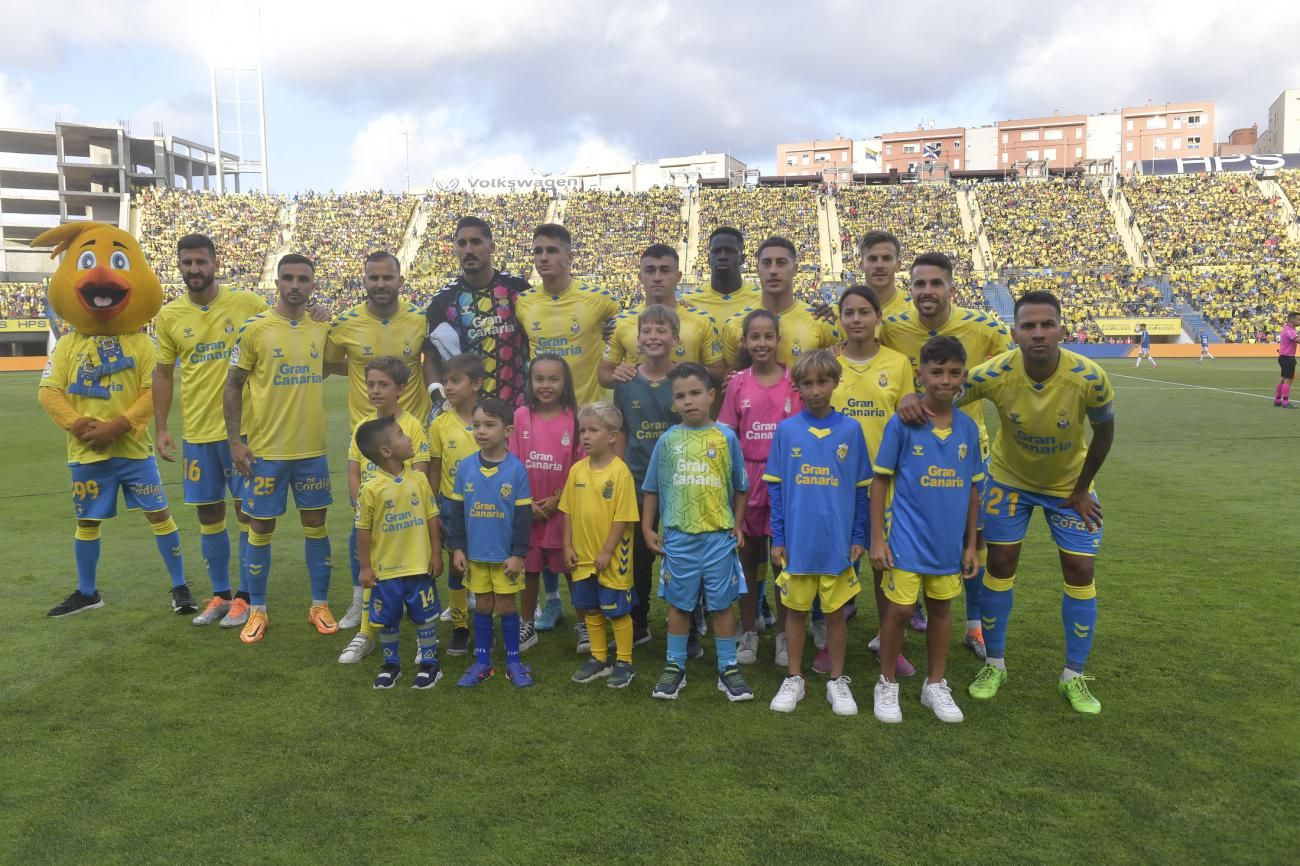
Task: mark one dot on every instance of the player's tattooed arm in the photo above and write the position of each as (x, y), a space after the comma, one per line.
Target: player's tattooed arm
(232, 407)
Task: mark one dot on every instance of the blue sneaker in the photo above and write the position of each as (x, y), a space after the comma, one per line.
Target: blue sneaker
(520, 674)
(552, 614)
(428, 676)
(475, 674)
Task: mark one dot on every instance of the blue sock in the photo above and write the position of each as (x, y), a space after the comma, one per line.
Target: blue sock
(426, 636)
(482, 638)
(388, 641)
(726, 651)
(169, 546)
(354, 561)
(86, 551)
(551, 583)
(677, 649)
(215, 547)
(1079, 617)
(760, 596)
(259, 568)
(242, 571)
(318, 565)
(510, 636)
(973, 586)
(996, 597)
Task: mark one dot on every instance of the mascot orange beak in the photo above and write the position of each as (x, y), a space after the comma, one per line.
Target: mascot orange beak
(103, 293)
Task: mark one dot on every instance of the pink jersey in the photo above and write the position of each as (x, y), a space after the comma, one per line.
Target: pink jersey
(1286, 341)
(548, 450)
(753, 410)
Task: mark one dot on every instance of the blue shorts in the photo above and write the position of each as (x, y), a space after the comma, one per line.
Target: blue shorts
(695, 561)
(207, 474)
(416, 595)
(1007, 511)
(95, 486)
(266, 493)
(590, 594)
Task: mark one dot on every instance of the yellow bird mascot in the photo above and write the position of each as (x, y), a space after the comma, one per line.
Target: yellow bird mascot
(98, 386)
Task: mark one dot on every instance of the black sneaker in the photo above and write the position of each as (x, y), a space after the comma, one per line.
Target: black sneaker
(621, 676)
(459, 642)
(388, 677)
(731, 682)
(592, 669)
(641, 635)
(671, 681)
(694, 649)
(426, 678)
(182, 600)
(76, 603)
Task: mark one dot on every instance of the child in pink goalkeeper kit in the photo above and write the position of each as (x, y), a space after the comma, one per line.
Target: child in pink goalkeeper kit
(545, 439)
(758, 398)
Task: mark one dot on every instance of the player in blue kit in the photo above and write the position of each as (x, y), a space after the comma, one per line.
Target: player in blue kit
(817, 475)
(929, 543)
(1205, 348)
(488, 529)
(1144, 346)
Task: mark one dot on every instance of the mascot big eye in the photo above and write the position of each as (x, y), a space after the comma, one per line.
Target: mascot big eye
(98, 387)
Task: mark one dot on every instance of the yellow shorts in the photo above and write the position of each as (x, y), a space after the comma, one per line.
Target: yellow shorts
(835, 590)
(904, 587)
(491, 577)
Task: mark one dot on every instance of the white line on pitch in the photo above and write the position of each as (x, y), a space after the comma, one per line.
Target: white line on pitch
(1195, 387)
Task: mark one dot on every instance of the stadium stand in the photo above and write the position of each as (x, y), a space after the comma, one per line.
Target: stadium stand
(1290, 183)
(435, 258)
(1247, 303)
(243, 227)
(1049, 224)
(760, 213)
(1206, 219)
(338, 231)
(22, 301)
(1088, 295)
(610, 229)
(925, 217)
(512, 217)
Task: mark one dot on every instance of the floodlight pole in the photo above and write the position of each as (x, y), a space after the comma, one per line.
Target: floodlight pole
(216, 131)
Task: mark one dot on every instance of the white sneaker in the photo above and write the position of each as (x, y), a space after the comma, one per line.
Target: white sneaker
(445, 616)
(874, 644)
(789, 695)
(782, 657)
(819, 633)
(938, 697)
(747, 648)
(352, 618)
(358, 648)
(886, 703)
(839, 696)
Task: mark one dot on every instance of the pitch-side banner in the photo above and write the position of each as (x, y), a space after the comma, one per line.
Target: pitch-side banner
(1210, 164)
(1119, 327)
(23, 326)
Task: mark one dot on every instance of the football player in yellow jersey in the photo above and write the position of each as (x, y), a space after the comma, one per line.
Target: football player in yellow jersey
(196, 332)
(728, 292)
(801, 330)
(698, 337)
(982, 336)
(1044, 396)
(872, 381)
(386, 377)
(878, 254)
(383, 325)
(280, 355)
(563, 316)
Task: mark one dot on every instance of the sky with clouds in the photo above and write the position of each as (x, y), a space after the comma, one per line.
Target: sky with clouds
(507, 88)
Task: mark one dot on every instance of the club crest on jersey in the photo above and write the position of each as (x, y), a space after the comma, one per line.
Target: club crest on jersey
(406, 348)
(229, 327)
(796, 350)
(607, 492)
(918, 450)
(712, 452)
(506, 490)
(315, 353)
(566, 440)
(574, 327)
(1062, 421)
(961, 451)
(415, 500)
(884, 380)
(842, 451)
(189, 332)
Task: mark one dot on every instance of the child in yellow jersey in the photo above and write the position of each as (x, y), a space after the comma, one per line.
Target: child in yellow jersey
(599, 507)
(451, 440)
(400, 547)
(875, 378)
(386, 379)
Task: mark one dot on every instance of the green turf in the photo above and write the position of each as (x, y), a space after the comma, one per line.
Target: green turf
(132, 737)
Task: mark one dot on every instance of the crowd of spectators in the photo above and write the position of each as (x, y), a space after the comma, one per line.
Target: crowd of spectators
(1088, 295)
(759, 213)
(925, 217)
(243, 226)
(338, 231)
(512, 217)
(1245, 303)
(1059, 223)
(1289, 180)
(610, 229)
(22, 301)
(1207, 219)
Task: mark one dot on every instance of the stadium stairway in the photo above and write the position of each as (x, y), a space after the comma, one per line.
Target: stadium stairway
(287, 218)
(827, 243)
(414, 233)
(835, 260)
(1126, 225)
(690, 219)
(972, 223)
(999, 300)
(1272, 189)
(1194, 323)
(555, 210)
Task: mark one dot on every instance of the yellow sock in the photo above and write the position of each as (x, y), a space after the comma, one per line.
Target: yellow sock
(459, 605)
(622, 637)
(366, 627)
(596, 634)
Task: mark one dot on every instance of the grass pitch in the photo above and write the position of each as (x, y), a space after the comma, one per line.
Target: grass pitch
(133, 737)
